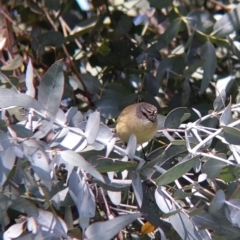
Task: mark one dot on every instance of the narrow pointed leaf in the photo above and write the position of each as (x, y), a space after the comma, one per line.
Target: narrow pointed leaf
(226, 117)
(228, 23)
(29, 80)
(184, 226)
(9, 98)
(13, 64)
(92, 127)
(137, 188)
(108, 229)
(78, 161)
(51, 88)
(231, 135)
(176, 171)
(217, 202)
(209, 65)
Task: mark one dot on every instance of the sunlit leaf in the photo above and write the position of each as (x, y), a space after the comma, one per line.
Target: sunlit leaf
(51, 225)
(77, 160)
(184, 226)
(92, 127)
(228, 23)
(13, 64)
(51, 88)
(108, 229)
(29, 80)
(39, 160)
(9, 98)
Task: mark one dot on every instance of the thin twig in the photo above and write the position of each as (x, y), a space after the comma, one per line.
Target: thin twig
(67, 53)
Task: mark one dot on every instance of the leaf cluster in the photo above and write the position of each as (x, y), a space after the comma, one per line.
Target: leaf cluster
(68, 68)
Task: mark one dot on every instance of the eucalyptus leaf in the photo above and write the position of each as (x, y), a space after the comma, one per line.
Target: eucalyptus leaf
(184, 226)
(213, 167)
(4, 141)
(172, 31)
(13, 64)
(8, 158)
(111, 165)
(39, 161)
(162, 200)
(131, 146)
(78, 161)
(115, 197)
(173, 119)
(176, 172)
(51, 88)
(219, 102)
(29, 80)
(137, 188)
(108, 229)
(226, 116)
(217, 202)
(231, 135)
(228, 23)
(92, 127)
(209, 66)
(9, 98)
(51, 225)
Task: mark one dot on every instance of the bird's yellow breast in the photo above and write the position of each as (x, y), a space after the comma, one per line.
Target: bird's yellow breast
(128, 123)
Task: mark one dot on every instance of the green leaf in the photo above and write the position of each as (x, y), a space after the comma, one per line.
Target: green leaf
(226, 117)
(51, 38)
(123, 26)
(173, 119)
(231, 135)
(51, 88)
(13, 64)
(209, 66)
(92, 83)
(176, 172)
(229, 174)
(202, 21)
(172, 31)
(111, 227)
(159, 4)
(78, 161)
(109, 165)
(109, 107)
(228, 23)
(213, 167)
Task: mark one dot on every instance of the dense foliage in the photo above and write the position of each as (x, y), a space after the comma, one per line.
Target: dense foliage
(68, 68)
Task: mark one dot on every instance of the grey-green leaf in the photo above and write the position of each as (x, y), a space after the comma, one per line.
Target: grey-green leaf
(226, 117)
(176, 171)
(209, 66)
(231, 135)
(228, 23)
(92, 127)
(51, 88)
(9, 98)
(173, 119)
(13, 64)
(78, 161)
(108, 229)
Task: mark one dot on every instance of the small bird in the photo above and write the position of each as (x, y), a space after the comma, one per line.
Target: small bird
(139, 119)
